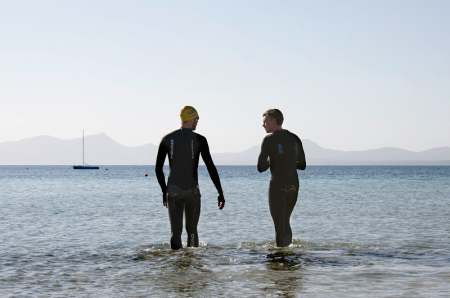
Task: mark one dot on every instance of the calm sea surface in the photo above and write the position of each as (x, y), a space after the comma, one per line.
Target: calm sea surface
(360, 231)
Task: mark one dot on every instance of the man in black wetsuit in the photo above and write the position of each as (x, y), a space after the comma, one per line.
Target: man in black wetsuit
(282, 151)
(182, 192)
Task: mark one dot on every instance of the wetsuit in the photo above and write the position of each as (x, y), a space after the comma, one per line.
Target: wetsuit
(282, 151)
(182, 192)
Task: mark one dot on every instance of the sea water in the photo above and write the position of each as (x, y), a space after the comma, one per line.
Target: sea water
(359, 231)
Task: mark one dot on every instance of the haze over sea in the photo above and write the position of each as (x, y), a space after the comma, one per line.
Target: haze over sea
(360, 231)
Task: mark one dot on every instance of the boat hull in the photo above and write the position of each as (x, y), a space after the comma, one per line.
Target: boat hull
(85, 168)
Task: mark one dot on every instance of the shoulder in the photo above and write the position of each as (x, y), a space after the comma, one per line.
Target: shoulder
(294, 136)
(170, 134)
(199, 137)
(267, 139)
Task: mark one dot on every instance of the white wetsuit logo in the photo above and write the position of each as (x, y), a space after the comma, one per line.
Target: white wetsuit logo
(171, 149)
(290, 188)
(192, 147)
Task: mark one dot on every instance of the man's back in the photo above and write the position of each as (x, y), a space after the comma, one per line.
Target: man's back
(183, 147)
(285, 152)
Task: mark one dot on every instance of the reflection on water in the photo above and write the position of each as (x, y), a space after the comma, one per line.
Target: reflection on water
(219, 270)
(262, 269)
(285, 260)
(285, 273)
(255, 268)
(248, 269)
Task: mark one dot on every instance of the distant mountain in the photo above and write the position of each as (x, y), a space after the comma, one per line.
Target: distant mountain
(99, 150)
(102, 150)
(383, 156)
(316, 155)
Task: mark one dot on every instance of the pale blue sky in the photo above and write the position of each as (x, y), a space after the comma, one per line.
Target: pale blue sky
(349, 75)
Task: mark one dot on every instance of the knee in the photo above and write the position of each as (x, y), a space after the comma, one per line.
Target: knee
(191, 227)
(191, 231)
(280, 227)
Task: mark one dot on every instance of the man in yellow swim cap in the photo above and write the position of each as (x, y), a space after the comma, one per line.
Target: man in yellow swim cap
(189, 113)
(184, 146)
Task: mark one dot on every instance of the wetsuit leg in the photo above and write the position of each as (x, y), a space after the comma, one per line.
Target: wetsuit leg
(282, 200)
(175, 205)
(192, 212)
(187, 201)
(291, 200)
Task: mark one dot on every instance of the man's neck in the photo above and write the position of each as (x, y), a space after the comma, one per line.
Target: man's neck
(277, 128)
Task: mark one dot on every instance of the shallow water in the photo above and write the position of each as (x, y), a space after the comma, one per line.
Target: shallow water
(358, 231)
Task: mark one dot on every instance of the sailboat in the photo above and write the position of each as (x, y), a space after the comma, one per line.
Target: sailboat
(84, 166)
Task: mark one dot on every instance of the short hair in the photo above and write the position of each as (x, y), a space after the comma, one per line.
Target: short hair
(275, 114)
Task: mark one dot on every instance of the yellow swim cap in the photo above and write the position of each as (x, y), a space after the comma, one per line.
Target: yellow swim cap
(188, 113)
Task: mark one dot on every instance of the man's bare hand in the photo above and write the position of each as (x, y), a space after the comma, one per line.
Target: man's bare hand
(220, 201)
(165, 199)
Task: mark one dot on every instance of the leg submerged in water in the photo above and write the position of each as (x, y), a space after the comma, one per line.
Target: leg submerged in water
(291, 200)
(282, 203)
(175, 206)
(192, 213)
(187, 202)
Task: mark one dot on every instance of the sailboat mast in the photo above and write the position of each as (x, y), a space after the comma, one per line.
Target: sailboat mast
(83, 147)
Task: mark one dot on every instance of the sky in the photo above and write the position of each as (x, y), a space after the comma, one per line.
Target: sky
(348, 75)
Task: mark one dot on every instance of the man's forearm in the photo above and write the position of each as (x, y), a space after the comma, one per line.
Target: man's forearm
(263, 158)
(263, 163)
(301, 161)
(161, 179)
(160, 158)
(212, 170)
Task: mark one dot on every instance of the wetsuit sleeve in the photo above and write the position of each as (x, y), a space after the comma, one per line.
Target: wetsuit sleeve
(301, 159)
(161, 157)
(263, 162)
(206, 155)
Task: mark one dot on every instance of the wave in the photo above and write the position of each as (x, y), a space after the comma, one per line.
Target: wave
(304, 244)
